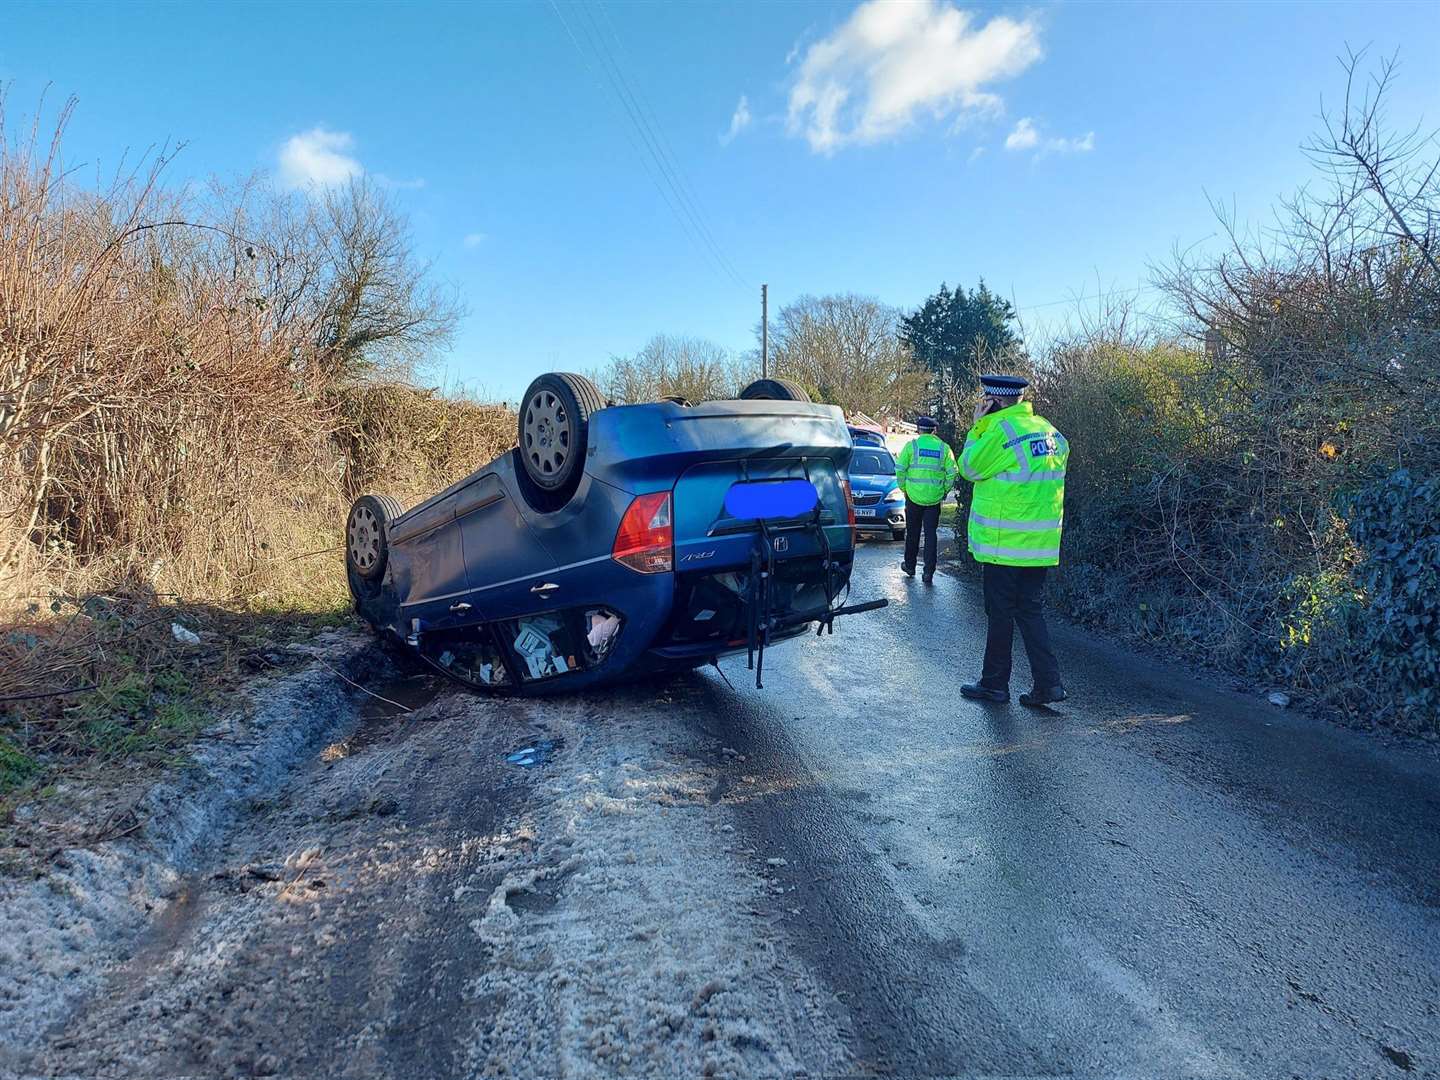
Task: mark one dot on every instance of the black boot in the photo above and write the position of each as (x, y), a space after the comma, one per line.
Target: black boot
(929, 577)
(977, 692)
(908, 571)
(1048, 696)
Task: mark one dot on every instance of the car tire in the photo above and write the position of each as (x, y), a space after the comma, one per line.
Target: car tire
(774, 390)
(554, 427)
(367, 528)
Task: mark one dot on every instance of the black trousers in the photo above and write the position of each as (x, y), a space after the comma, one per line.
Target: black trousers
(1013, 594)
(918, 518)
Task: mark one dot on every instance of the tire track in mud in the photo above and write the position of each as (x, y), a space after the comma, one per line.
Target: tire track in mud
(322, 939)
(412, 905)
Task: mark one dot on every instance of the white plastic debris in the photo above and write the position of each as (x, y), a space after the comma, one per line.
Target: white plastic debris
(534, 644)
(1280, 700)
(603, 627)
(184, 636)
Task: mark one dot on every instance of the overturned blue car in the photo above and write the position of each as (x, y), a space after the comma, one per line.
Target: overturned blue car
(618, 539)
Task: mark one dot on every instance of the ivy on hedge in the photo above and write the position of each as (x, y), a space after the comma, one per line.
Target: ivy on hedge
(1395, 633)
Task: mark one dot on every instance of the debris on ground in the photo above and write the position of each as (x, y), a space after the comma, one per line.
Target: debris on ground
(646, 962)
(1280, 699)
(536, 754)
(183, 635)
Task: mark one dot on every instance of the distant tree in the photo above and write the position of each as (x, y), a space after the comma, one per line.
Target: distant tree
(957, 335)
(671, 366)
(845, 351)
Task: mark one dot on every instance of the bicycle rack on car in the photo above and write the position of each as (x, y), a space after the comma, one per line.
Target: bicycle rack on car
(763, 623)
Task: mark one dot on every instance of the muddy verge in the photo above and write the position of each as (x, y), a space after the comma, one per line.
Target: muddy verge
(83, 907)
(481, 887)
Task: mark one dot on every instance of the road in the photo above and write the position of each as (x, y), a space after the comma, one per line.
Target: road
(1157, 877)
(854, 870)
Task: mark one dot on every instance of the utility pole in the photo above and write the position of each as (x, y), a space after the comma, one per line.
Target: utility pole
(764, 331)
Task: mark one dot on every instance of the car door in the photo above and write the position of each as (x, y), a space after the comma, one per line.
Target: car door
(505, 562)
(428, 562)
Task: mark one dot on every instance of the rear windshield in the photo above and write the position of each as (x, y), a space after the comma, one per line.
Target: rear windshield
(872, 462)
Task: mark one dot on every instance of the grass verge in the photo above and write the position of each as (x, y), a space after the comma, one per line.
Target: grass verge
(99, 692)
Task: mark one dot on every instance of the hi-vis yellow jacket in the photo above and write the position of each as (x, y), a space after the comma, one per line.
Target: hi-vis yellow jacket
(1016, 460)
(925, 469)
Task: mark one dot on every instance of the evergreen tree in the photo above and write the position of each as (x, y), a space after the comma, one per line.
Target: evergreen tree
(957, 335)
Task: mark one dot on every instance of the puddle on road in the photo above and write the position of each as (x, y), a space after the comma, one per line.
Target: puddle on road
(379, 719)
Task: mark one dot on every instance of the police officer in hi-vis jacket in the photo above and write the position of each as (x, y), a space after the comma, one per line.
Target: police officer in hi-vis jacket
(926, 473)
(1016, 460)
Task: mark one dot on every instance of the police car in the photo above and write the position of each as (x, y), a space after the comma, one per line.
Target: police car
(879, 502)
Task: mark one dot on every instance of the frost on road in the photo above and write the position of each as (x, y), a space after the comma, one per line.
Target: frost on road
(629, 936)
(413, 904)
(684, 878)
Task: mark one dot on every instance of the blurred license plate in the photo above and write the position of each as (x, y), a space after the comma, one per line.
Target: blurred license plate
(752, 501)
(864, 511)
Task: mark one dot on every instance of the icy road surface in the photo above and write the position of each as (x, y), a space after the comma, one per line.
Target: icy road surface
(1154, 878)
(852, 871)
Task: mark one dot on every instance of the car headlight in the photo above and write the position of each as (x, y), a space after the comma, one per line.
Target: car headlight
(895, 495)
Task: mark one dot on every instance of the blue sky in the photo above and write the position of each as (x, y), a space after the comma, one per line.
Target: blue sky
(881, 149)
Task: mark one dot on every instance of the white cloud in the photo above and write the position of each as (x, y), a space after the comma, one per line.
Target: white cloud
(739, 121)
(1026, 137)
(889, 61)
(1082, 145)
(474, 239)
(1023, 137)
(318, 158)
(975, 154)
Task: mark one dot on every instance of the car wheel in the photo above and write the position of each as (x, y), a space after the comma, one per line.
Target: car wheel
(774, 390)
(367, 547)
(554, 427)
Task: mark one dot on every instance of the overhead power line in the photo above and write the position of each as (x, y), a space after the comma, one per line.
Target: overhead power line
(654, 158)
(1082, 299)
(668, 158)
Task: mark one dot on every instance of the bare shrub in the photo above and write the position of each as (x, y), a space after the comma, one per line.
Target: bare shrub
(173, 369)
(155, 417)
(337, 266)
(1250, 482)
(410, 443)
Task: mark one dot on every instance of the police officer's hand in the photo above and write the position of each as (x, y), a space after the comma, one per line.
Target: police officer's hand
(982, 408)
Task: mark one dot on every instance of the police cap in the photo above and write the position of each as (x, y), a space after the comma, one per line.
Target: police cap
(1003, 386)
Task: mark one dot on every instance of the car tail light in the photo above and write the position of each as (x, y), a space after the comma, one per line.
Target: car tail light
(646, 540)
(849, 502)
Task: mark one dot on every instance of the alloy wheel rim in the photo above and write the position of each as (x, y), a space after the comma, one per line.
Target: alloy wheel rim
(364, 538)
(547, 433)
